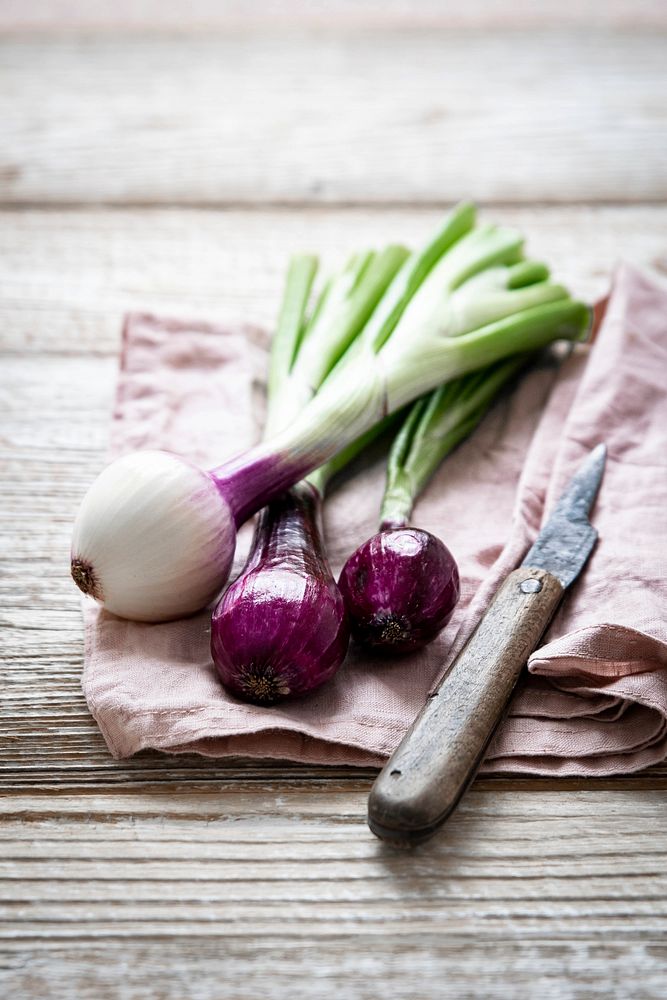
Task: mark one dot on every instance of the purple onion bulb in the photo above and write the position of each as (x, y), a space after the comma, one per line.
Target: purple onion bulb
(400, 589)
(281, 628)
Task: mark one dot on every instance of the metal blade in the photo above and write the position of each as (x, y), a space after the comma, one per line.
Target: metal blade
(567, 539)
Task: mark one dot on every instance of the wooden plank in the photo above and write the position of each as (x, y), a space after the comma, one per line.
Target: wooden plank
(127, 895)
(335, 116)
(65, 279)
(422, 967)
(193, 16)
(501, 858)
(270, 890)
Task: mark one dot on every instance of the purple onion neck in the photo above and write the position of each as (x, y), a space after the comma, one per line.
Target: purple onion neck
(394, 521)
(327, 424)
(396, 512)
(289, 529)
(253, 479)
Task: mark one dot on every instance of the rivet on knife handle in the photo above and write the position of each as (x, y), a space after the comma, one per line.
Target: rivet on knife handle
(441, 753)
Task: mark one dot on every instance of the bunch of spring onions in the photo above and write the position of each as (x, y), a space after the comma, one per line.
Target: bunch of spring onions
(154, 537)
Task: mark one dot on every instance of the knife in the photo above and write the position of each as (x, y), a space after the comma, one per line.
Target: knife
(425, 778)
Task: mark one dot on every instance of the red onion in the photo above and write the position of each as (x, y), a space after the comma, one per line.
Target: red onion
(400, 589)
(281, 628)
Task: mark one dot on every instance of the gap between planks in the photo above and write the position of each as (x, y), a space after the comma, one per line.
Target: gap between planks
(307, 205)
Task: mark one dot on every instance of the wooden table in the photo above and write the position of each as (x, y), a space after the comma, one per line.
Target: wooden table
(169, 156)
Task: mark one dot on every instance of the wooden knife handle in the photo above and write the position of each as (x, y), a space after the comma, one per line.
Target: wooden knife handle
(439, 756)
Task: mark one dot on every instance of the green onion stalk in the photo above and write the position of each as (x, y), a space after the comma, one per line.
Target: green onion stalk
(155, 537)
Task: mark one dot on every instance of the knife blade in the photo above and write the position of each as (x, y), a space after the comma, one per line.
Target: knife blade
(422, 783)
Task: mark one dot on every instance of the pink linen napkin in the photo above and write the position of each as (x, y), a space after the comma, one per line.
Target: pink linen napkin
(595, 699)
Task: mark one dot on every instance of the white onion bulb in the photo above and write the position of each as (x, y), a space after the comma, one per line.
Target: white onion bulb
(153, 539)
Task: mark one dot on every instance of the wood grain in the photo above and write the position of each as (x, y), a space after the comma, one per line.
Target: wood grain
(337, 116)
(422, 783)
(149, 887)
(67, 277)
(450, 968)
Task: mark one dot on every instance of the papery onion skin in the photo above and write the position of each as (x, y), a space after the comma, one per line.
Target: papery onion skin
(281, 628)
(153, 510)
(400, 589)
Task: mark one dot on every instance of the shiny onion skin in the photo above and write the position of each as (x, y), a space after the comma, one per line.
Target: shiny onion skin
(400, 589)
(281, 628)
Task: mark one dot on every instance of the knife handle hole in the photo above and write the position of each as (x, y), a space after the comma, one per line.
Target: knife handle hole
(395, 773)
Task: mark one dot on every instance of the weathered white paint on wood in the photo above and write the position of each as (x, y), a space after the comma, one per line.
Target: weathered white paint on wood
(335, 116)
(192, 16)
(66, 277)
(430, 964)
(286, 894)
(203, 858)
